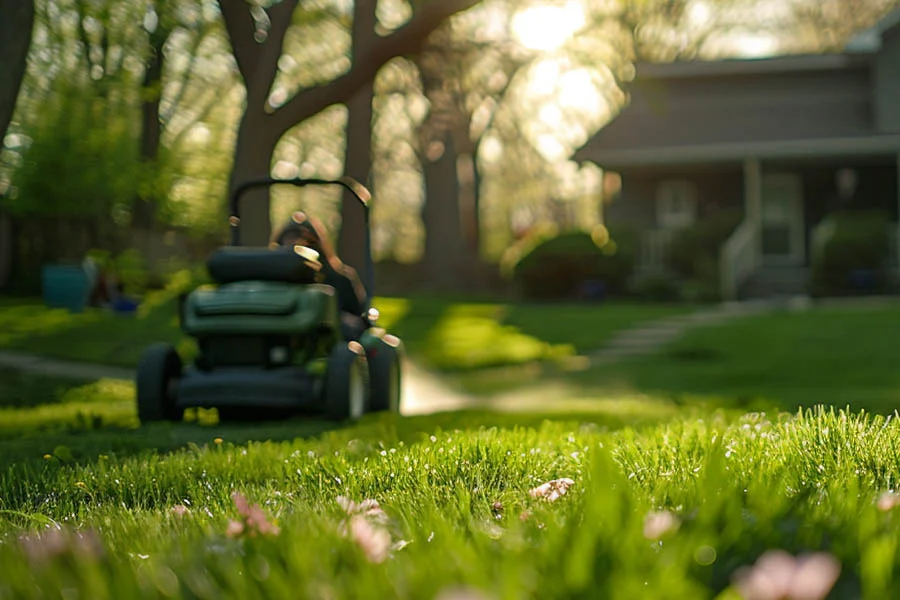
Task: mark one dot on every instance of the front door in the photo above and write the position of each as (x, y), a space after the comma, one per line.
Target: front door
(783, 234)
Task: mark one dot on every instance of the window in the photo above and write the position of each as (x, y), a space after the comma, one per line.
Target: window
(676, 204)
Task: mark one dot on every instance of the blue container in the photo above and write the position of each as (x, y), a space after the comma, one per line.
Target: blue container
(65, 287)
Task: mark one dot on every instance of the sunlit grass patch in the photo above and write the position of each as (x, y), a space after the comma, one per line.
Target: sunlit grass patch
(470, 336)
(106, 403)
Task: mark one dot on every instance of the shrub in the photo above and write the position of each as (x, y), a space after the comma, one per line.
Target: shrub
(556, 267)
(852, 258)
(694, 251)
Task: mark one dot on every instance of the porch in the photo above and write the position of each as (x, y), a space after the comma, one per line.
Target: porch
(786, 203)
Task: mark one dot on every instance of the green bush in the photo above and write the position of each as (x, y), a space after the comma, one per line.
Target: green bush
(852, 258)
(694, 253)
(556, 267)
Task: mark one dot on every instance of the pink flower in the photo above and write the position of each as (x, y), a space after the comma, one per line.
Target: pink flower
(179, 510)
(368, 508)
(659, 523)
(50, 544)
(461, 593)
(888, 500)
(375, 541)
(552, 490)
(254, 521)
(779, 576)
(234, 528)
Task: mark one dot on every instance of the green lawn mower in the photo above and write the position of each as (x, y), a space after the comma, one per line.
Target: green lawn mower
(270, 338)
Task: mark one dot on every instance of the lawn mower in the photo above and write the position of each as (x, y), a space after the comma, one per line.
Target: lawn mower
(269, 337)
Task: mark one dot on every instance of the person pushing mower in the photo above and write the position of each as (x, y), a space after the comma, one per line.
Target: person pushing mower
(304, 230)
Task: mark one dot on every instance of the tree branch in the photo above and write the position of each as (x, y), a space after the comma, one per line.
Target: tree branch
(266, 66)
(363, 31)
(241, 29)
(404, 41)
(185, 77)
(82, 35)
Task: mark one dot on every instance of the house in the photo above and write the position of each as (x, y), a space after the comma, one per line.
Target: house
(783, 140)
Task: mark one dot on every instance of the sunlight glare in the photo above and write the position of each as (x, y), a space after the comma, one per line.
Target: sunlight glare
(578, 91)
(550, 147)
(547, 28)
(755, 46)
(544, 77)
(551, 115)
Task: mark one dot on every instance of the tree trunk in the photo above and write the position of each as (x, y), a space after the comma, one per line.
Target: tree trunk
(7, 247)
(443, 232)
(16, 26)
(358, 164)
(253, 154)
(144, 207)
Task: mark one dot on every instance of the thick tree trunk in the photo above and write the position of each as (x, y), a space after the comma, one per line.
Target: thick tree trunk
(443, 232)
(144, 207)
(358, 164)
(16, 26)
(253, 160)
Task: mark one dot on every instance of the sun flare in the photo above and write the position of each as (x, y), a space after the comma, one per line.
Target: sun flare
(547, 28)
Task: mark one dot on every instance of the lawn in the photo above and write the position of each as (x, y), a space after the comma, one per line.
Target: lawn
(847, 356)
(782, 360)
(444, 334)
(678, 506)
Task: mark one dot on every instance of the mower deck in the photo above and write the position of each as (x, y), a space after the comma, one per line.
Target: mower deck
(284, 387)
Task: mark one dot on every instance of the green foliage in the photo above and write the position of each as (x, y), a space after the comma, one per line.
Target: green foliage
(555, 267)
(858, 242)
(82, 158)
(694, 252)
(132, 271)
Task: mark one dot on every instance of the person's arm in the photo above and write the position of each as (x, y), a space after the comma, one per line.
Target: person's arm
(359, 290)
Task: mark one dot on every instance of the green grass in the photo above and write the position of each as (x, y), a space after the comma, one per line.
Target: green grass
(455, 488)
(849, 357)
(445, 334)
(782, 360)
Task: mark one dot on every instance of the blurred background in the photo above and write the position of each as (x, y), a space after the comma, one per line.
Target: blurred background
(486, 130)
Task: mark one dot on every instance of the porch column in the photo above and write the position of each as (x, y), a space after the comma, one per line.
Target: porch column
(753, 201)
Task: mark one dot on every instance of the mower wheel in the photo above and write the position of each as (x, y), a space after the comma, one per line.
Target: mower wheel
(346, 390)
(385, 375)
(159, 368)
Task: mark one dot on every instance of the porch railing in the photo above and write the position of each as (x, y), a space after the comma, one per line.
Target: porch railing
(737, 260)
(654, 249)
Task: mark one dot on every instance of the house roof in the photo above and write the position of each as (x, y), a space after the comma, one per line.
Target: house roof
(730, 152)
(870, 40)
(749, 66)
(858, 54)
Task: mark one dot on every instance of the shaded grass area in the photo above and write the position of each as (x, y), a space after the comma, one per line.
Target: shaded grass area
(444, 333)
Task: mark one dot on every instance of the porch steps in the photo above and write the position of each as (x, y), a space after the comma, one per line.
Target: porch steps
(773, 282)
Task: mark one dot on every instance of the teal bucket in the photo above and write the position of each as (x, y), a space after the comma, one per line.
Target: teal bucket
(65, 287)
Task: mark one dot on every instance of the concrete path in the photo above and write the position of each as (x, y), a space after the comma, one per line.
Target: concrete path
(649, 338)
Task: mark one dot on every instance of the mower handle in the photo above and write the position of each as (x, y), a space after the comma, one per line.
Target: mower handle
(359, 191)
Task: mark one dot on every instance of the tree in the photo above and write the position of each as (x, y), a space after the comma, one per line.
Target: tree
(828, 25)
(257, 37)
(16, 25)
